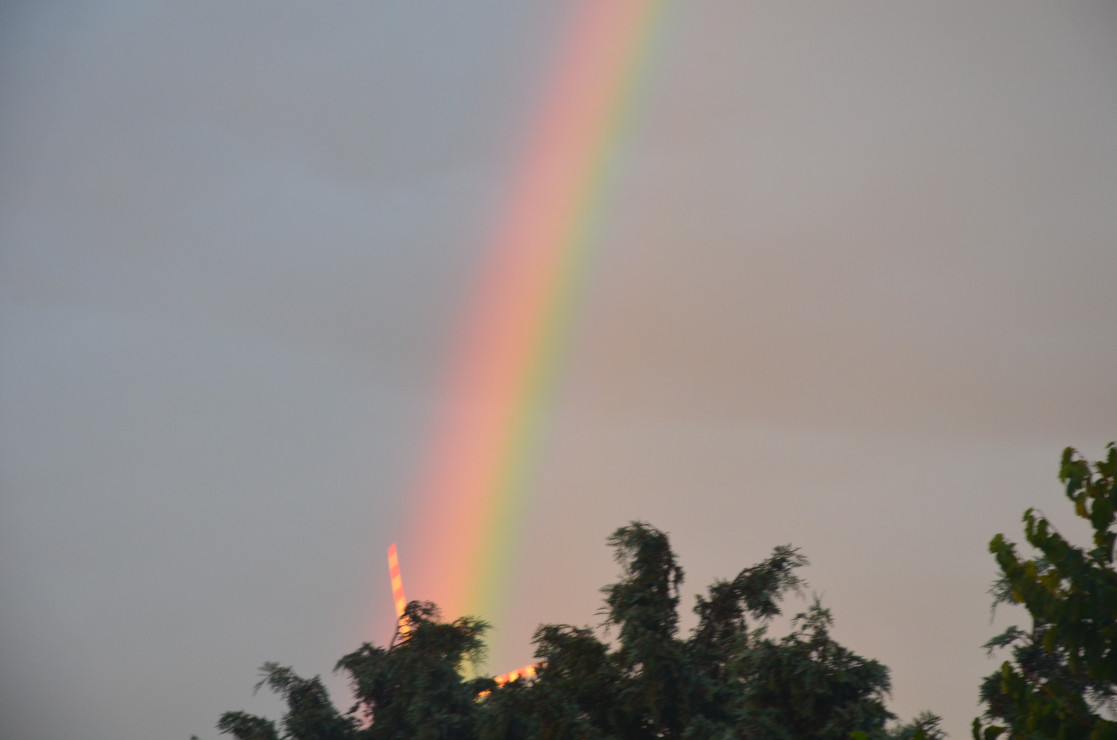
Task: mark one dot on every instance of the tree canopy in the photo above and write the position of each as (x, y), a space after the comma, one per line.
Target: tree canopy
(635, 677)
(1061, 680)
(631, 678)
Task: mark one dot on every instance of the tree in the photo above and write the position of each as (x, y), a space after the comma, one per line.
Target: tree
(415, 689)
(807, 685)
(726, 679)
(412, 689)
(1062, 676)
(311, 716)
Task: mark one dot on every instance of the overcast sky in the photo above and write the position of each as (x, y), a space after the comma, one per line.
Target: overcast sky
(854, 292)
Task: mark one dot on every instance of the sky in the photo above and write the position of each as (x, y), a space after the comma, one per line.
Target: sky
(852, 290)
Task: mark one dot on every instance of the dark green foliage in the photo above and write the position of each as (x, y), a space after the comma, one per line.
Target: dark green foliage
(414, 689)
(755, 592)
(576, 692)
(247, 727)
(310, 715)
(1062, 676)
(926, 726)
(644, 602)
(722, 681)
(658, 683)
(726, 680)
(807, 685)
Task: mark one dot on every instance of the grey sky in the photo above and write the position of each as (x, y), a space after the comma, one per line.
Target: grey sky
(854, 293)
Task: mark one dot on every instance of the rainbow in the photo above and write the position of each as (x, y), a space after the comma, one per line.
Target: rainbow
(474, 485)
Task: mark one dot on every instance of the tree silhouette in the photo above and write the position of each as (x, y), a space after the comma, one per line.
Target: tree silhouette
(630, 679)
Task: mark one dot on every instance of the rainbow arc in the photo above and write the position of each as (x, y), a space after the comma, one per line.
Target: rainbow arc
(404, 624)
(502, 373)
